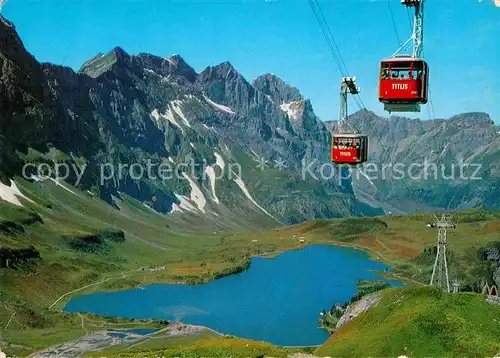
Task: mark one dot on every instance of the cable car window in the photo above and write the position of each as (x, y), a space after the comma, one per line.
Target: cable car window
(402, 74)
(418, 65)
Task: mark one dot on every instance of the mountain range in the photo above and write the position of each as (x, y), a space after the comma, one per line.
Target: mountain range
(238, 149)
(445, 164)
(122, 109)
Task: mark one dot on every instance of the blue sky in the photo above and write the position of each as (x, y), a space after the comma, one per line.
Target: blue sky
(462, 42)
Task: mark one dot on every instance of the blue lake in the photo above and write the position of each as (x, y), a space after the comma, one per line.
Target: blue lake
(276, 300)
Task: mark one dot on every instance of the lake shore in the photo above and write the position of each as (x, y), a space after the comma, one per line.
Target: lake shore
(110, 339)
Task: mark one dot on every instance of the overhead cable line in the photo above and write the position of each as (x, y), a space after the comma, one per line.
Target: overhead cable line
(394, 23)
(330, 40)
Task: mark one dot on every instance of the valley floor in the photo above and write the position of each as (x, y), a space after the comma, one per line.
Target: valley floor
(155, 250)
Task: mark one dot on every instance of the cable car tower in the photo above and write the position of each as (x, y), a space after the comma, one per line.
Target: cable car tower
(439, 276)
(348, 147)
(417, 38)
(404, 77)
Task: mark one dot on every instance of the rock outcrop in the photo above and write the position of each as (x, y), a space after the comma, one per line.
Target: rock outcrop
(355, 309)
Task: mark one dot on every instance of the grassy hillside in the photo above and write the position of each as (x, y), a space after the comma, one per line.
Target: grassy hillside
(420, 322)
(213, 347)
(70, 243)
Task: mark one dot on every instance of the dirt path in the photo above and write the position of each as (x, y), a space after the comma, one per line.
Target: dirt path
(83, 325)
(78, 289)
(10, 319)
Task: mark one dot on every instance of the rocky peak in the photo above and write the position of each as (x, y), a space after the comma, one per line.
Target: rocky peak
(277, 89)
(117, 58)
(174, 66)
(182, 68)
(121, 56)
(12, 48)
(224, 71)
(6, 22)
(225, 85)
(473, 118)
(225, 67)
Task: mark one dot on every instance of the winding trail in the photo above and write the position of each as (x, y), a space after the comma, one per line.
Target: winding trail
(83, 325)
(10, 319)
(78, 289)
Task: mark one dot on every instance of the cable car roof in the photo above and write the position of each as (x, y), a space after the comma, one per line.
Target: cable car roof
(403, 59)
(348, 135)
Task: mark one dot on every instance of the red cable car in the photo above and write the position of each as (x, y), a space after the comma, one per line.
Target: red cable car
(348, 148)
(403, 83)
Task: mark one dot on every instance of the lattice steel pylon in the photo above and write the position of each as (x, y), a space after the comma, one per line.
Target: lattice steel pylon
(456, 286)
(439, 276)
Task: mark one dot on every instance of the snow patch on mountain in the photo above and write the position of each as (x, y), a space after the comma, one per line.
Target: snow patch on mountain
(175, 208)
(209, 128)
(162, 78)
(218, 106)
(210, 172)
(36, 178)
(168, 116)
(292, 109)
(58, 183)
(12, 193)
(196, 195)
(245, 191)
(184, 203)
(367, 177)
(219, 161)
(156, 116)
(177, 107)
(255, 154)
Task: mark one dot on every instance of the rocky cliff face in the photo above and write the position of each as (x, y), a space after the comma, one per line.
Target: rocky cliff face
(124, 109)
(355, 309)
(447, 164)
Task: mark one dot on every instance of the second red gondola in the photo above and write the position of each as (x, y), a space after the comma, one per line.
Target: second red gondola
(349, 148)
